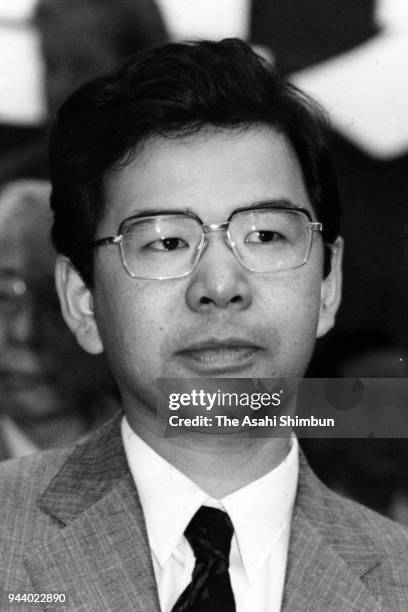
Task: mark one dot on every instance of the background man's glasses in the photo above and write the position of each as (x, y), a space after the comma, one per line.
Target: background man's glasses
(169, 245)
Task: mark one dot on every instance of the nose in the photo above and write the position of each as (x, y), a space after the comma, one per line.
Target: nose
(219, 280)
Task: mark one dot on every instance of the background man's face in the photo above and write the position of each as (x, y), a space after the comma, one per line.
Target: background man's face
(42, 370)
(148, 326)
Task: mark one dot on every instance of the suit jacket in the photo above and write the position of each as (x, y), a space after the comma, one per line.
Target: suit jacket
(4, 454)
(71, 522)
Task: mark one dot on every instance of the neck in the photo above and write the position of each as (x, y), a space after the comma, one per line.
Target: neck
(218, 464)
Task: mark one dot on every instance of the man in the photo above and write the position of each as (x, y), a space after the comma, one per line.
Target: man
(82, 39)
(50, 390)
(78, 40)
(193, 198)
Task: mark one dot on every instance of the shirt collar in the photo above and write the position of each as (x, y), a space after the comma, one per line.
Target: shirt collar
(260, 511)
(17, 443)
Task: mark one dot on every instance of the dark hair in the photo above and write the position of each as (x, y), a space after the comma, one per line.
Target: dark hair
(172, 90)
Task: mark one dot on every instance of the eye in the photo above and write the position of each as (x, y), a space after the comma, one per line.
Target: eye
(264, 236)
(167, 244)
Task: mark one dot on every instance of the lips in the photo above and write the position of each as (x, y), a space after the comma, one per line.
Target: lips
(220, 356)
(23, 374)
(20, 381)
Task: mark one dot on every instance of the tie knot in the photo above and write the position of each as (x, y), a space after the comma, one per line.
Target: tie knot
(210, 533)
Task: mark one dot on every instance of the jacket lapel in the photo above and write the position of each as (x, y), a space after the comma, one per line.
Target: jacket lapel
(328, 555)
(96, 551)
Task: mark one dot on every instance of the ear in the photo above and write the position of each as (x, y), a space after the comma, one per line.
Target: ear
(330, 294)
(77, 305)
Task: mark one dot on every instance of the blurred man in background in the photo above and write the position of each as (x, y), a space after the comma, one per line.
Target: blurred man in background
(48, 386)
(79, 40)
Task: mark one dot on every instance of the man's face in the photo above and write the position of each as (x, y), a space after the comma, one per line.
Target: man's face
(40, 364)
(222, 320)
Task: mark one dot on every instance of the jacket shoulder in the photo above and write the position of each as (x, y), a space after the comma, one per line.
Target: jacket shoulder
(356, 532)
(23, 478)
(22, 481)
(386, 533)
(23, 527)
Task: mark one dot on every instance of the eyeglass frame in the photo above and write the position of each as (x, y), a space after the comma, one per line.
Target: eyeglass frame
(313, 226)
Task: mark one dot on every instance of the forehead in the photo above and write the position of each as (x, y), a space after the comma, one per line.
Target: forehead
(210, 173)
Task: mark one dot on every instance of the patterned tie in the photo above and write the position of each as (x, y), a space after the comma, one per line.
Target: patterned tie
(209, 533)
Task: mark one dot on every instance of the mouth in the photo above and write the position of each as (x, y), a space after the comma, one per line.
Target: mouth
(220, 356)
(22, 381)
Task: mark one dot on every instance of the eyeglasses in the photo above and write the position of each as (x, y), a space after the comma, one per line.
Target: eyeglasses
(169, 245)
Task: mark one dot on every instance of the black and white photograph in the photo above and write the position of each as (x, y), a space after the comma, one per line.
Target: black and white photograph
(203, 305)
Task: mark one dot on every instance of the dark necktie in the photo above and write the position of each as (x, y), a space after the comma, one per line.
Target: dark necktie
(209, 534)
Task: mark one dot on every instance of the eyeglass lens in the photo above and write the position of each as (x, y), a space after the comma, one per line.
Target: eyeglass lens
(169, 246)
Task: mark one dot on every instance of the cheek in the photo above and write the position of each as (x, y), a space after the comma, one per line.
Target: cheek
(291, 298)
(291, 305)
(133, 323)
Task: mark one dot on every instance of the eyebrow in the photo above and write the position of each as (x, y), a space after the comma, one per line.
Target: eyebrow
(151, 212)
(275, 203)
(269, 203)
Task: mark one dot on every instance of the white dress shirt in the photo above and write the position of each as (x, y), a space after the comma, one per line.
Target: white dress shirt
(260, 513)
